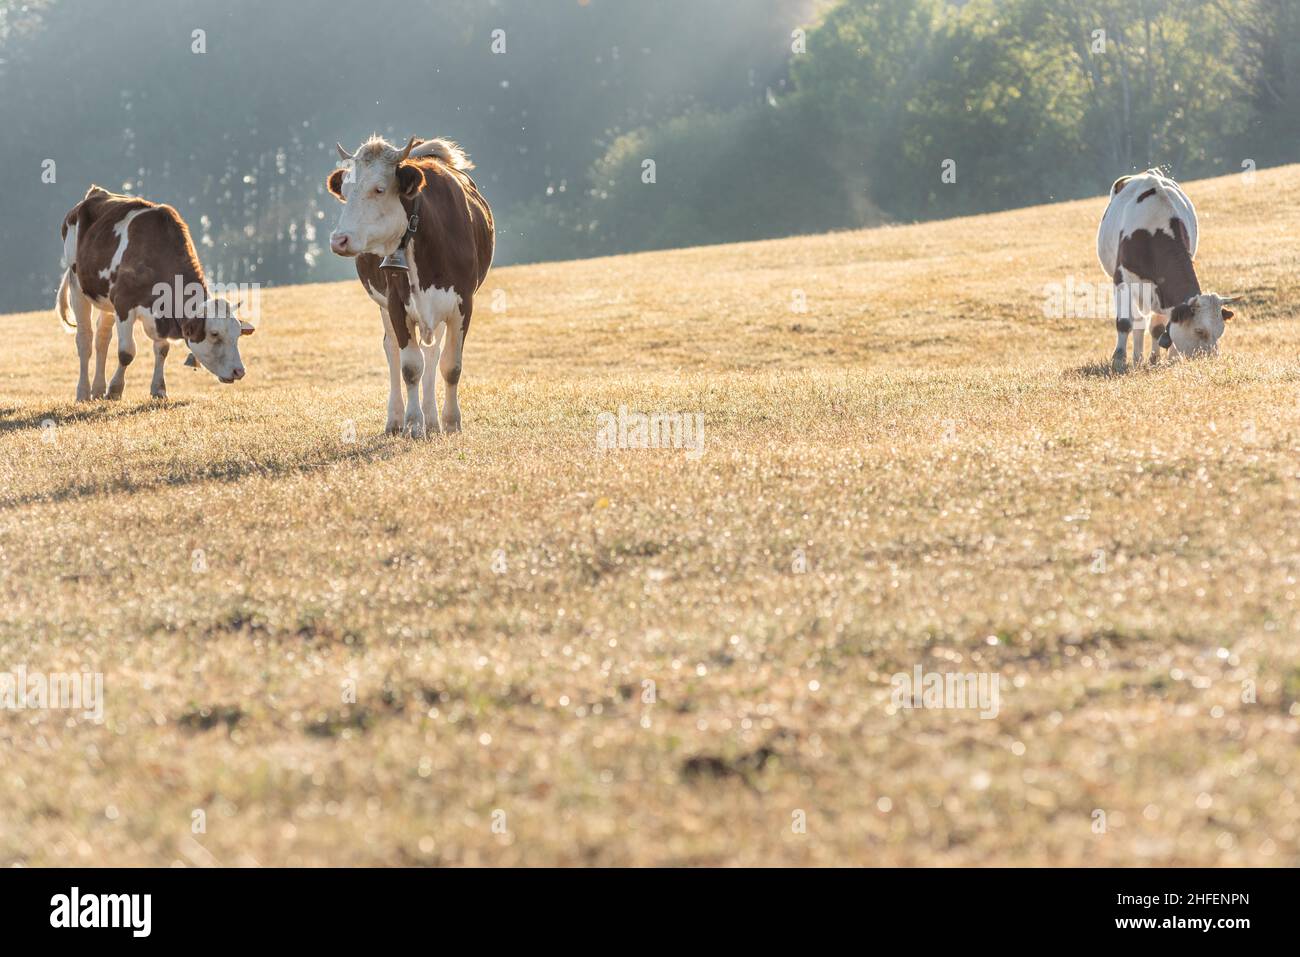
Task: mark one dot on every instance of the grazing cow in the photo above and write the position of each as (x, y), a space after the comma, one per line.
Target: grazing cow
(120, 253)
(419, 205)
(1146, 244)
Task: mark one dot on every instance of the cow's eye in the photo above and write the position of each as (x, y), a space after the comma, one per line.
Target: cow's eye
(379, 190)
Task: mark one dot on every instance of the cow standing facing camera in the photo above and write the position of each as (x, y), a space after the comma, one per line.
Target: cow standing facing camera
(423, 237)
(1146, 244)
(133, 259)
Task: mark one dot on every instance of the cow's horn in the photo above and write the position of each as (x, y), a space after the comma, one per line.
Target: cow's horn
(343, 154)
(1227, 299)
(407, 151)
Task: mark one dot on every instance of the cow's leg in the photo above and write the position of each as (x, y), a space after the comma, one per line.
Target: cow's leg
(1123, 319)
(103, 338)
(395, 408)
(412, 371)
(429, 397)
(125, 352)
(158, 388)
(452, 350)
(85, 335)
(1159, 323)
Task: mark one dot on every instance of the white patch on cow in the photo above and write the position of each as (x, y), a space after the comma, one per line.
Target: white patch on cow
(147, 322)
(372, 217)
(121, 230)
(428, 307)
(374, 294)
(70, 247)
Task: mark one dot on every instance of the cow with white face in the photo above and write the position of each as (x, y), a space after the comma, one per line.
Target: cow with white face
(423, 237)
(1146, 244)
(133, 259)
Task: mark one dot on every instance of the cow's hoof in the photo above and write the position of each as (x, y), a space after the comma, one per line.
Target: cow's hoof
(83, 395)
(393, 428)
(114, 393)
(415, 427)
(1118, 363)
(160, 396)
(451, 426)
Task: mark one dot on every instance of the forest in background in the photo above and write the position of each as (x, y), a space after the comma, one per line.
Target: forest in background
(602, 127)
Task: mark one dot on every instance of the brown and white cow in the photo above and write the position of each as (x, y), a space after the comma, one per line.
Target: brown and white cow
(133, 259)
(422, 201)
(1146, 243)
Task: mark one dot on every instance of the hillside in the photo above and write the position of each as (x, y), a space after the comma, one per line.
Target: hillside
(640, 657)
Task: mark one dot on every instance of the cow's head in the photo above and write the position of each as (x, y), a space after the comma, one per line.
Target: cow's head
(213, 335)
(371, 187)
(1196, 325)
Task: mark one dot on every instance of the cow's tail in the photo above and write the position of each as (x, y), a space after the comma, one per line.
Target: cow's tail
(445, 150)
(61, 303)
(62, 300)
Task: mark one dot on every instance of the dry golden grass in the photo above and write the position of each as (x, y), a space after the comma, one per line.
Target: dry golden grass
(949, 461)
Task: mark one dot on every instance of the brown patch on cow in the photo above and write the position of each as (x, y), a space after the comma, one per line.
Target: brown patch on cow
(457, 252)
(1147, 195)
(399, 292)
(159, 249)
(1164, 261)
(1180, 231)
(1158, 327)
(1183, 312)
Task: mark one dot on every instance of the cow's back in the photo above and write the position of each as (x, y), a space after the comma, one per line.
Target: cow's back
(125, 245)
(1150, 202)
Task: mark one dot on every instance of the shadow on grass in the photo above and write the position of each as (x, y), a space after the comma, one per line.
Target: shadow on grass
(378, 448)
(1102, 370)
(15, 420)
(1095, 370)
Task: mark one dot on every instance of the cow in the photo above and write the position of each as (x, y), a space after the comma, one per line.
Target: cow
(133, 259)
(1146, 244)
(418, 205)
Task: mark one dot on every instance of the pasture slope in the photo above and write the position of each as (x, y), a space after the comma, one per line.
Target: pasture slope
(968, 489)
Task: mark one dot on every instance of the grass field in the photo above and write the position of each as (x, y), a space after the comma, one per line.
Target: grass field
(565, 656)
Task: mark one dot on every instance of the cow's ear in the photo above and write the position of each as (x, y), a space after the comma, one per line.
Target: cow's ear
(246, 328)
(1228, 314)
(1120, 184)
(1181, 313)
(194, 328)
(410, 180)
(335, 183)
